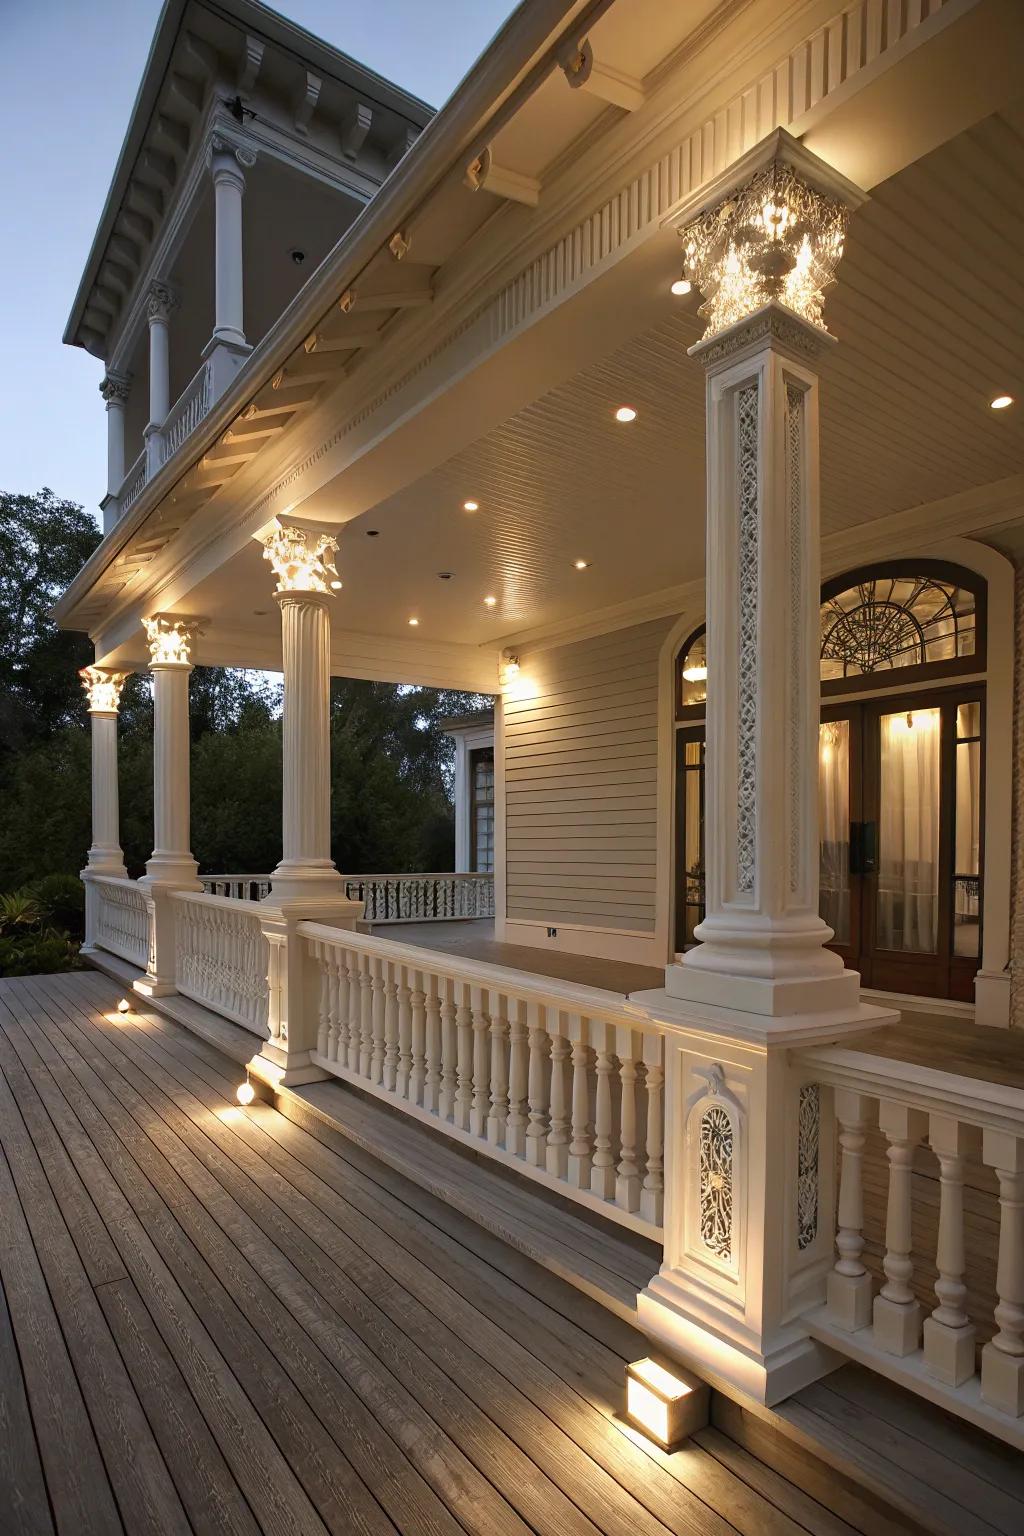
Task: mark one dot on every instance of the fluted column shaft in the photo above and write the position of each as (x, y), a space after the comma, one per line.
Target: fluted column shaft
(171, 861)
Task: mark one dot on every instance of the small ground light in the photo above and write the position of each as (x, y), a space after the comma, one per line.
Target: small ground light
(245, 1092)
(681, 286)
(1000, 402)
(668, 1405)
(625, 413)
(124, 1006)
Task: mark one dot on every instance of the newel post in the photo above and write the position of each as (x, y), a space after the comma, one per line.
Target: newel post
(748, 1231)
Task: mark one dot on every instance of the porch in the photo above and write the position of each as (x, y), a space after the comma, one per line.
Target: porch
(294, 1335)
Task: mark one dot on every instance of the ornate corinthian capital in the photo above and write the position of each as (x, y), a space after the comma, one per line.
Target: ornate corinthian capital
(161, 299)
(103, 689)
(115, 388)
(302, 556)
(770, 231)
(171, 639)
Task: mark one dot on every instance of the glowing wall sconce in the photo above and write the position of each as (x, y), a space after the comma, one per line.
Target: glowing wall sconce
(667, 1405)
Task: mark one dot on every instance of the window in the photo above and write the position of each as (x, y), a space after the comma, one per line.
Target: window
(481, 809)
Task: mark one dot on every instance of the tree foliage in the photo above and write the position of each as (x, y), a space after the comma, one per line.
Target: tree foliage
(391, 764)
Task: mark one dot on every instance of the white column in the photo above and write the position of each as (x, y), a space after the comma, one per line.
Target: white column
(228, 163)
(103, 689)
(170, 645)
(161, 301)
(114, 389)
(762, 244)
(302, 559)
(1002, 1359)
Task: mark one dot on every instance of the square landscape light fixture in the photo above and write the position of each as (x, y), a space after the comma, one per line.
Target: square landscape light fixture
(667, 1405)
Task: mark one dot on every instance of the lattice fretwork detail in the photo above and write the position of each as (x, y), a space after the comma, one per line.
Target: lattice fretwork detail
(716, 1181)
(807, 1156)
(747, 596)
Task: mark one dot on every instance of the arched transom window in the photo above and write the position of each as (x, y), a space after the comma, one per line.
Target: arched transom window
(925, 617)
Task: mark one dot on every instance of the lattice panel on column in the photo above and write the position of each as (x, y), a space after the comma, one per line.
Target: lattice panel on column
(746, 748)
(807, 1159)
(716, 1181)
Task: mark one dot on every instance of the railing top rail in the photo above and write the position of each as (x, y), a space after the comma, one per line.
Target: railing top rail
(572, 997)
(433, 874)
(132, 473)
(223, 879)
(975, 1100)
(121, 881)
(193, 387)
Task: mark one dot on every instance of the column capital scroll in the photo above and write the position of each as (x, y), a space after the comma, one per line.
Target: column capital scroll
(103, 689)
(224, 154)
(171, 639)
(302, 557)
(161, 300)
(115, 388)
(769, 232)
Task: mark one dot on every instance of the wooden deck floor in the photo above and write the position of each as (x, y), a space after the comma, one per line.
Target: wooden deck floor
(216, 1321)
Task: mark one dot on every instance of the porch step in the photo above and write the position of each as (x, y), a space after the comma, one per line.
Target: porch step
(605, 1261)
(883, 1459)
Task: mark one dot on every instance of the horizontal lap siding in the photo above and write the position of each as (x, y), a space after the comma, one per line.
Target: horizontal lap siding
(581, 769)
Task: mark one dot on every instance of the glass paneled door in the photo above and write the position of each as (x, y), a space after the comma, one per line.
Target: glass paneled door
(900, 813)
(900, 816)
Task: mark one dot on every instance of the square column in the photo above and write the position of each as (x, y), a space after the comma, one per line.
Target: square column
(749, 1185)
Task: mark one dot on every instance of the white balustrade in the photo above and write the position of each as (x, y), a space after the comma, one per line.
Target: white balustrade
(954, 1118)
(550, 1078)
(121, 918)
(186, 413)
(431, 898)
(221, 956)
(133, 484)
(238, 887)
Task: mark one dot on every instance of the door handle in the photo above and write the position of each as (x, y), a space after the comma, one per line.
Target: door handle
(863, 847)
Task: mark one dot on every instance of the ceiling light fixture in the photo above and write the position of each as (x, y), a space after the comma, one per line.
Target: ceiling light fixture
(414, 622)
(335, 586)
(581, 565)
(1000, 402)
(625, 413)
(470, 506)
(681, 286)
(490, 602)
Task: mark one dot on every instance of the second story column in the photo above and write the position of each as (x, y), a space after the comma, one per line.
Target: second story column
(228, 164)
(114, 390)
(103, 689)
(170, 647)
(160, 303)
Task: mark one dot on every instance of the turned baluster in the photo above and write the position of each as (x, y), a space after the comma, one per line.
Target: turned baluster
(602, 1171)
(449, 1050)
(948, 1335)
(355, 1003)
(627, 1174)
(557, 1151)
(1002, 1360)
(338, 1045)
(365, 1014)
(432, 1081)
(518, 1066)
(537, 1087)
(404, 1034)
(897, 1314)
(652, 1194)
(377, 1021)
(498, 1116)
(418, 1072)
(580, 1149)
(334, 1020)
(390, 1074)
(481, 1086)
(464, 1031)
(323, 1022)
(849, 1284)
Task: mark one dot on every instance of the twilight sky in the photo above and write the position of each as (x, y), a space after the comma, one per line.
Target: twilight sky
(69, 70)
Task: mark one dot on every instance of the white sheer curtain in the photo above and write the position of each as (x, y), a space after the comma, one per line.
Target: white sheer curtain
(834, 826)
(908, 842)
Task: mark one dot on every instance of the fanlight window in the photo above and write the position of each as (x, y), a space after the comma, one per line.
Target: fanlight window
(888, 622)
(874, 623)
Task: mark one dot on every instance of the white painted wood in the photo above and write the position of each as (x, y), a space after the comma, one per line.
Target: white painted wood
(422, 898)
(849, 1285)
(120, 923)
(221, 958)
(1002, 1362)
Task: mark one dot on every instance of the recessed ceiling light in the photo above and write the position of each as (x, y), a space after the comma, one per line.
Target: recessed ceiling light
(581, 565)
(335, 586)
(373, 533)
(490, 602)
(681, 286)
(445, 575)
(414, 622)
(1001, 402)
(625, 413)
(470, 506)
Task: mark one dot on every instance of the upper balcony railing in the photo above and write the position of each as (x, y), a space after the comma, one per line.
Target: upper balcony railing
(186, 414)
(133, 483)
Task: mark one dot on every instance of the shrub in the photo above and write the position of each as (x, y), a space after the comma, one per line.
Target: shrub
(62, 901)
(37, 954)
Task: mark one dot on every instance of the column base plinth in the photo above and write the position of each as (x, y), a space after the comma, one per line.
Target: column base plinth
(104, 862)
(153, 986)
(294, 882)
(172, 870)
(774, 996)
(825, 1024)
(897, 1326)
(948, 1352)
(849, 1301)
(279, 1068)
(724, 1353)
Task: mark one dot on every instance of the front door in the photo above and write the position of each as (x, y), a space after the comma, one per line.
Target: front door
(900, 813)
(900, 816)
